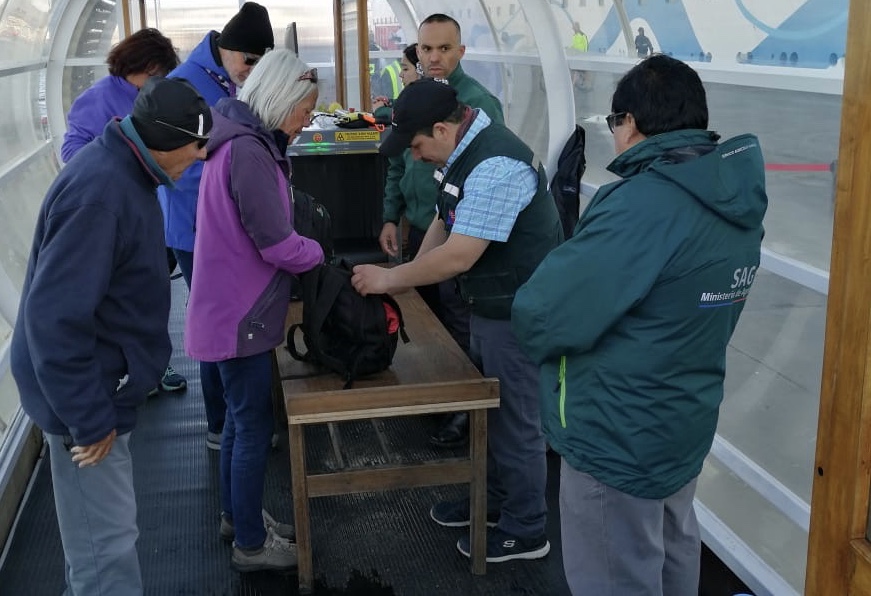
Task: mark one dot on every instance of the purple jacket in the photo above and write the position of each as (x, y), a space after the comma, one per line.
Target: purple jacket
(245, 245)
(99, 103)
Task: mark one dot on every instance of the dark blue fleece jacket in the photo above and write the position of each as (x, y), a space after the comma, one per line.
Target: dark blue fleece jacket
(91, 337)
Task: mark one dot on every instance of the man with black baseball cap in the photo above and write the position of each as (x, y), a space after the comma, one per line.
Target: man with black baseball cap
(91, 336)
(496, 221)
(216, 67)
(411, 192)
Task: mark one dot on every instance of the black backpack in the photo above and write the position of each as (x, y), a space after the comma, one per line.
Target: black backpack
(345, 332)
(312, 220)
(566, 183)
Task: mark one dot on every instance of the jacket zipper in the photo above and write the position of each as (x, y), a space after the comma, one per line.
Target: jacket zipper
(562, 391)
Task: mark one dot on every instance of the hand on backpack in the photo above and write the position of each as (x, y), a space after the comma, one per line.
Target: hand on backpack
(389, 239)
(371, 279)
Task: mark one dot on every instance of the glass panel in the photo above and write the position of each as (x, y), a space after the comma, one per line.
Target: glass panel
(23, 26)
(772, 388)
(186, 25)
(23, 122)
(9, 400)
(351, 56)
(79, 78)
(798, 127)
(21, 194)
(96, 31)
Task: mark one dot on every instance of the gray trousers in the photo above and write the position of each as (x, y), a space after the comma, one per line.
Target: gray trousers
(96, 512)
(516, 461)
(615, 544)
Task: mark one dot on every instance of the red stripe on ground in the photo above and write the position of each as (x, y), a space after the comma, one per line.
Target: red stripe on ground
(797, 167)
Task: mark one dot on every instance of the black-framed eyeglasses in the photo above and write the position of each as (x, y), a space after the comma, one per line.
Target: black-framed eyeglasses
(201, 140)
(309, 75)
(250, 59)
(614, 120)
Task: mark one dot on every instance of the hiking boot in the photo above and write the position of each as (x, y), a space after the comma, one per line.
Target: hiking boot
(283, 531)
(457, 514)
(276, 554)
(213, 440)
(502, 546)
(172, 381)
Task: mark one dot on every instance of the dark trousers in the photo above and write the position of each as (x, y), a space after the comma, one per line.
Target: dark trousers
(443, 298)
(210, 377)
(516, 461)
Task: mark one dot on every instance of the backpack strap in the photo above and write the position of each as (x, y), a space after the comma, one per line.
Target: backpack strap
(291, 344)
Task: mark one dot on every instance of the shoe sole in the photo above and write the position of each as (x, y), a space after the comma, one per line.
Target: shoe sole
(449, 444)
(527, 556)
(249, 568)
(459, 524)
(172, 388)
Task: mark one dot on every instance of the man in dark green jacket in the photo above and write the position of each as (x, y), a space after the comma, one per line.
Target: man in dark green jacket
(411, 190)
(496, 223)
(630, 319)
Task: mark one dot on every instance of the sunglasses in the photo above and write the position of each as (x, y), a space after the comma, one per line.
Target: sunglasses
(615, 119)
(250, 59)
(201, 140)
(309, 75)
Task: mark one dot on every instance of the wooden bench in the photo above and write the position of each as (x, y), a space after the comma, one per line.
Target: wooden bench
(430, 374)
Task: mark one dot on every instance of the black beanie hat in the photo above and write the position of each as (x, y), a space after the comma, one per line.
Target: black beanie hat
(248, 31)
(169, 113)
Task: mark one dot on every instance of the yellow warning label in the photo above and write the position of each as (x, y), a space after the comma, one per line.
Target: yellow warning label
(357, 135)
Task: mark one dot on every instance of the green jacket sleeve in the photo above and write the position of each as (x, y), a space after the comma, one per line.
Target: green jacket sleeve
(394, 202)
(584, 286)
(491, 106)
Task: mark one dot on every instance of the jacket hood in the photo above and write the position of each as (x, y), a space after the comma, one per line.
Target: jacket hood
(728, 178)
(232, 118)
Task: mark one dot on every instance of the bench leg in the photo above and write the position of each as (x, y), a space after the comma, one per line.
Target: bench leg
(478, 490)
(299, 487)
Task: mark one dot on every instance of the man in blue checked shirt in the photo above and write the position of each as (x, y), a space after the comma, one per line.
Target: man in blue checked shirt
(496, 221)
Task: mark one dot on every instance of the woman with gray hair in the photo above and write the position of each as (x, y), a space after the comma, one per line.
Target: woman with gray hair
(245, 235)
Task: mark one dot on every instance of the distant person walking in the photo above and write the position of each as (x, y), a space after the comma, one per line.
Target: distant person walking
(642, 44)
(580, 41)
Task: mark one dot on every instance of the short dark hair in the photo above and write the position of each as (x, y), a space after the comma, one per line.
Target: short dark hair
(146, 51)
(410, 52)
(441, 18)
(455, 117)
(662, 94)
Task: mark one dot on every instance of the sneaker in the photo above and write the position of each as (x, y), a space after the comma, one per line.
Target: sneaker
(213, 441)
(153, 392)
(502, 547)
(276, 554)
(458, 514)
(172, 381)
(284, 531)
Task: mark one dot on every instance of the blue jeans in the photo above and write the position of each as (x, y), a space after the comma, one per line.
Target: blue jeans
(246, 444)
(210, 378)
(96, 513)
(516, 460)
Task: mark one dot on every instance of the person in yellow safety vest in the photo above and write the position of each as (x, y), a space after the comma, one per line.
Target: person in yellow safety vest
(580, 42)
(389, 83)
